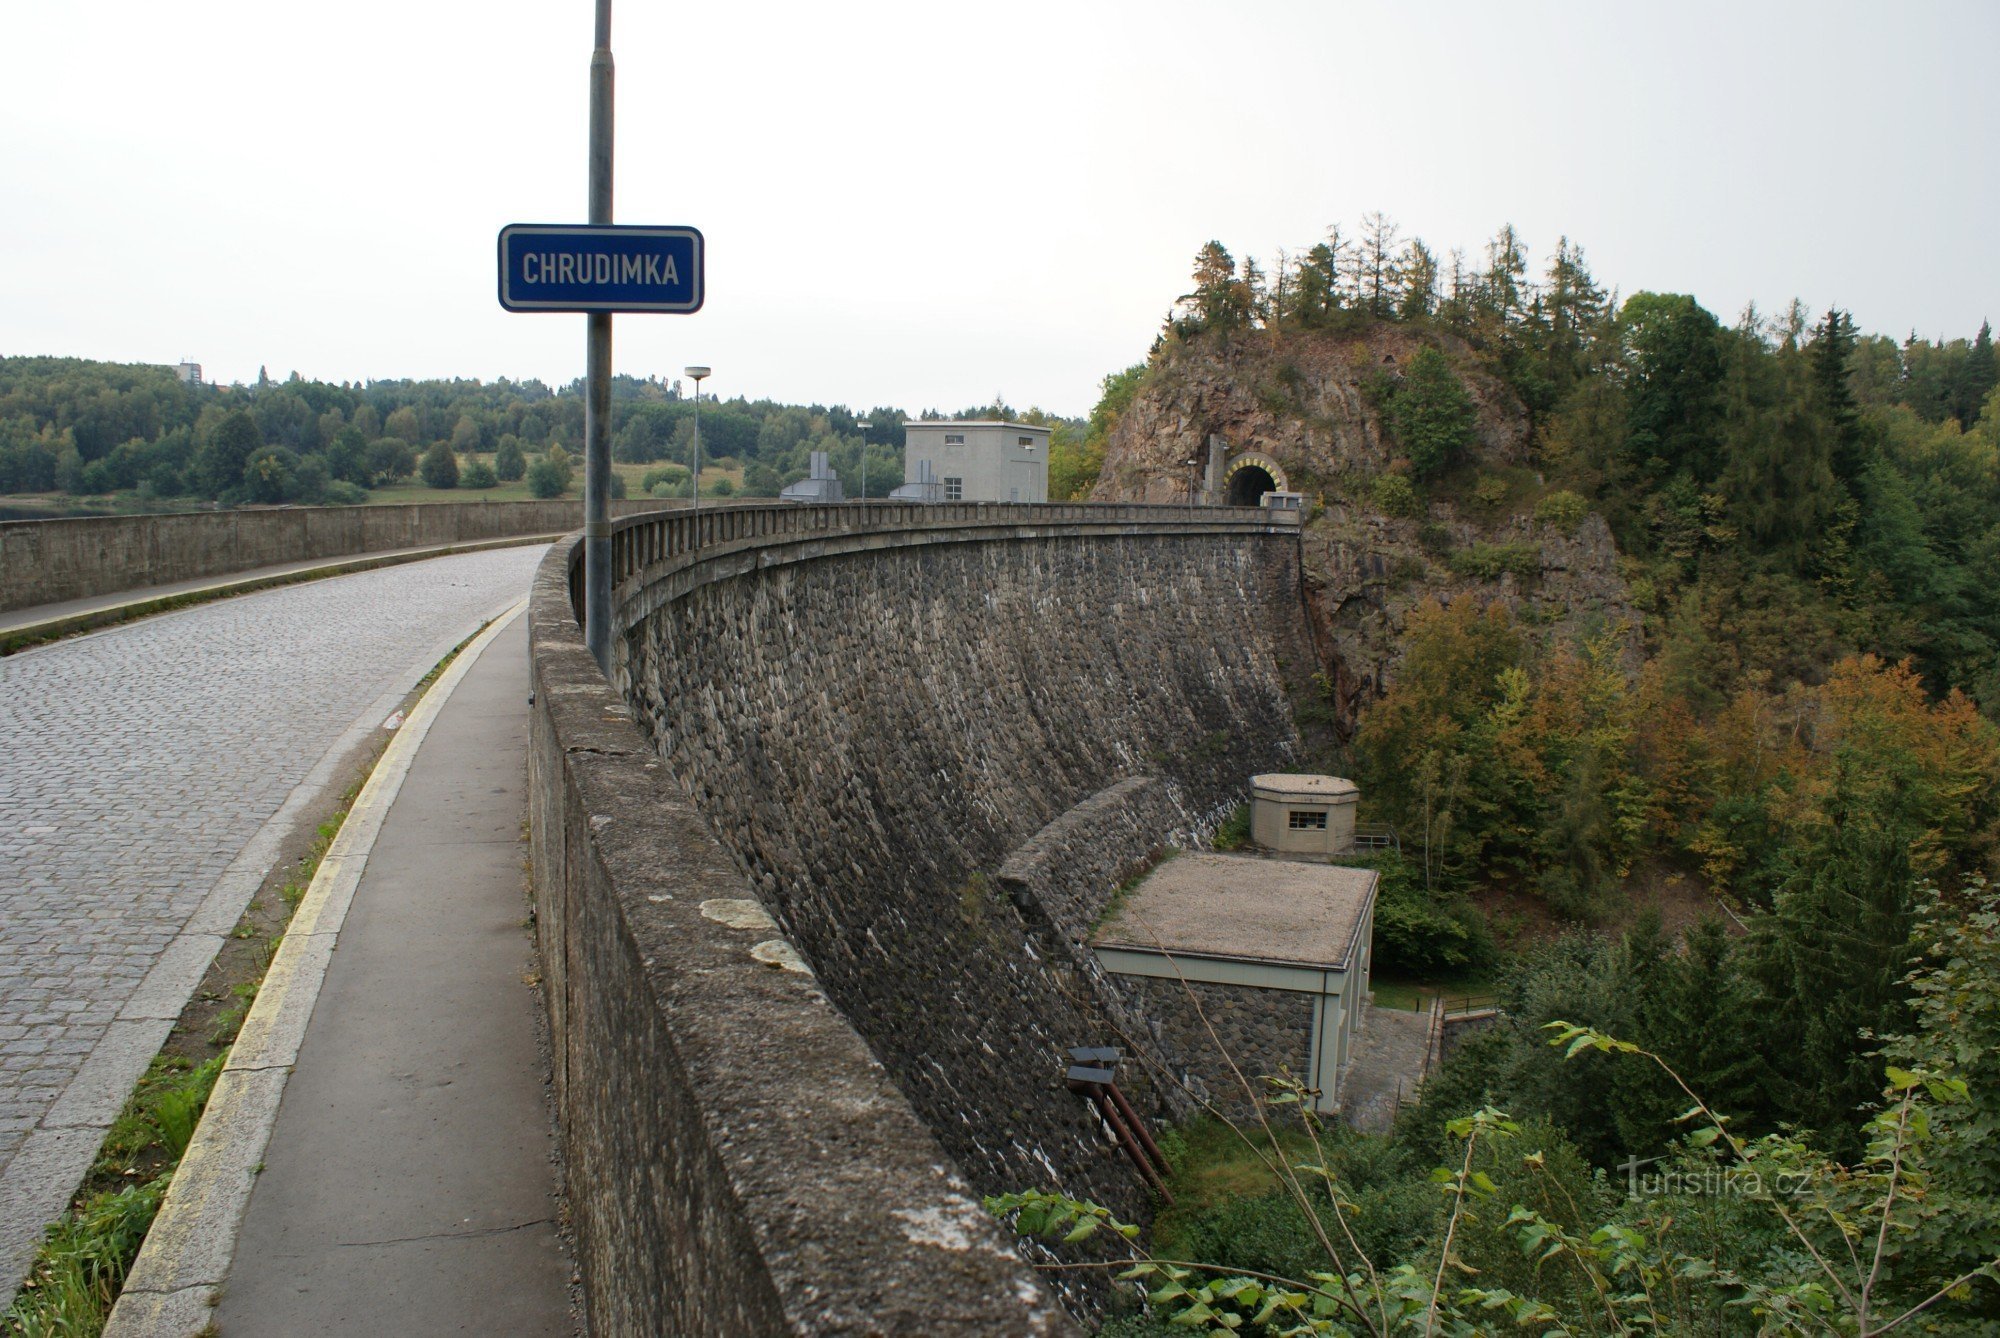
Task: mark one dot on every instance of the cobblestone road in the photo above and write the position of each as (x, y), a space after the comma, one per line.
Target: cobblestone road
(141, 771)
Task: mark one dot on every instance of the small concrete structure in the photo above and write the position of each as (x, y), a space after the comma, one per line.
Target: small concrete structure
(978, 460)
(1275, 953)
(820, 484)
(1303, 815)
(923, 487)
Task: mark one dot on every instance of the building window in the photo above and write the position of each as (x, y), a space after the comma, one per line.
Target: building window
(1027, 443)
(954, 491)
(1305, 822)
(954, 439)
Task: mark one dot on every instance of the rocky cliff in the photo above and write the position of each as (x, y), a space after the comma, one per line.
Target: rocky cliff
(1314, 403)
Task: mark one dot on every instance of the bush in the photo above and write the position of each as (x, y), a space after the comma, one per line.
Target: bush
(1486, 562)
(1425, 933)
(440, 467)
(508, 462)
(1396, 496)
(673, 474)
(547, 479)
(617, 485)
(342, 493)
(1234, 833)
(722, 488)
(1562, 509)
(478, 474)
(666, 490)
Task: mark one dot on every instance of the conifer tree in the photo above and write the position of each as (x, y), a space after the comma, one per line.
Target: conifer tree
(1976, 378)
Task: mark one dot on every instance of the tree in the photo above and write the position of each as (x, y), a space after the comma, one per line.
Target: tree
(1220, 301)
(1976, 378)
(268, 474)
(508, 462)
(1419, 270)
(440, 466)
(1674, 360)
(391, 458)
(1316, 289)
(219, 461)
(1831, 350)
(347, 457)
(1431, 414)
(1379, 276)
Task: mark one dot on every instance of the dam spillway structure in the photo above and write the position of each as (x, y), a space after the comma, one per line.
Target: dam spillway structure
(814, 871)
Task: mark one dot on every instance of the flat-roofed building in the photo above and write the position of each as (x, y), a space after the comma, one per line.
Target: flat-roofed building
(1275, 953)
(977, 460)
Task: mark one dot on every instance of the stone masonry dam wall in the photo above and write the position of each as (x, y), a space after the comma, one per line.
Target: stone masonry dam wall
(49, 561)
(799, 1026)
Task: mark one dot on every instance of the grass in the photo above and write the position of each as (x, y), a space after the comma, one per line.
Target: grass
(1115, 905)
(76, 1275)
(1212, 1166)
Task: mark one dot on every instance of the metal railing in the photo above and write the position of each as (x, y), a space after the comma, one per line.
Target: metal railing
(1376, 836)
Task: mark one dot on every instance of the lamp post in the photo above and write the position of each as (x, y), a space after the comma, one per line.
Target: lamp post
(699, 374)
(864, 425)
(597, 371)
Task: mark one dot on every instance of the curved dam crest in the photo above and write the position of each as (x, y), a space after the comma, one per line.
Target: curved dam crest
(856, 715)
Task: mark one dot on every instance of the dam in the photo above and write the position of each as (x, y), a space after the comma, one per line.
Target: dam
(800, 1022)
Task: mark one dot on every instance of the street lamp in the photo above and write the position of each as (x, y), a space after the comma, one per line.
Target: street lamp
(699, 374)
(864, 425)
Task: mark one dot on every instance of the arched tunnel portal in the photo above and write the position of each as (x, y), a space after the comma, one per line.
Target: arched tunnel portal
(1251, 475)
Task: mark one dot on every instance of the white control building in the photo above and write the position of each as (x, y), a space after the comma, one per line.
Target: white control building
(975, 461)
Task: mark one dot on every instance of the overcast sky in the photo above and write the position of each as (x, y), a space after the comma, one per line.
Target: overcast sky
(926, 205)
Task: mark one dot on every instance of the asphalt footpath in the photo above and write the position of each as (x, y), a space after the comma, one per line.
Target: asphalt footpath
(408, 1184)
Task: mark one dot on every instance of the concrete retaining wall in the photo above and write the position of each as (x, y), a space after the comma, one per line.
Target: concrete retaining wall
(847, 718)
(49, 561)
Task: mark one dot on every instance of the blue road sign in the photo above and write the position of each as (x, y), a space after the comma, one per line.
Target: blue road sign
(580, 268)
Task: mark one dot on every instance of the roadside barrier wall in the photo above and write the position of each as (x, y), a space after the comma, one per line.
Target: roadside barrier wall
(50, 561)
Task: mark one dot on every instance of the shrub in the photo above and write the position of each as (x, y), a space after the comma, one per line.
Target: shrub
(1486, 562)
(1234, 833)
(478, 474)
(342, 493)
(672, 474)
(722, 488)
(440, 467)
(1396, 496)
(1563, 509)
(547, 479)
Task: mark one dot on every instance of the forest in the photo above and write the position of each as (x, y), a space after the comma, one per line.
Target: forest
(1781, 1116)
(134, 437)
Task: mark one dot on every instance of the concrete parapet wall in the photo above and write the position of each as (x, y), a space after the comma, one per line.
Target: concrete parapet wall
(49, 561)
(847, 718)
(738, 1162)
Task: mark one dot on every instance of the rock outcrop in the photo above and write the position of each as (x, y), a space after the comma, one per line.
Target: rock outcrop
(1313, 403)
